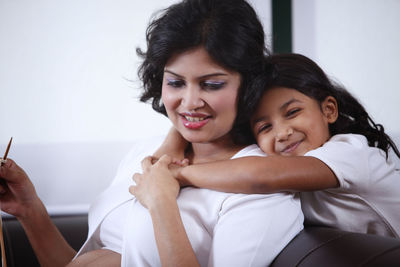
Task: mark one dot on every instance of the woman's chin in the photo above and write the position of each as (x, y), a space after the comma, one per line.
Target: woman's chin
(195, 137)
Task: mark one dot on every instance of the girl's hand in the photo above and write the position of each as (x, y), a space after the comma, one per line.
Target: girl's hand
(157, 184)
(17, 193)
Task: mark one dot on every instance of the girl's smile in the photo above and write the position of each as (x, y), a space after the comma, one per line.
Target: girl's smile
(290, 123)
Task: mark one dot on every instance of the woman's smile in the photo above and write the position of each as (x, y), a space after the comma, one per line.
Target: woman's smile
(200, 96)
(194, 121)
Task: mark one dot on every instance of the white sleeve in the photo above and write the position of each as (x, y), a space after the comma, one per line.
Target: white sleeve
(348, 156)
(268, 221)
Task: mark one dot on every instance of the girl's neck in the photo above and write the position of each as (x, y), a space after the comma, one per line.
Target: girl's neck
(212, 151)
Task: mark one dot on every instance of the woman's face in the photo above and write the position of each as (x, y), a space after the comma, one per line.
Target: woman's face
(200, 96)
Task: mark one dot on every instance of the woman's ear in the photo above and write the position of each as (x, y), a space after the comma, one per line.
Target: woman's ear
(330, 109)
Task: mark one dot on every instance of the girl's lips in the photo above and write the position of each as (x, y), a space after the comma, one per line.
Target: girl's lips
(290, 148)
(194, 121)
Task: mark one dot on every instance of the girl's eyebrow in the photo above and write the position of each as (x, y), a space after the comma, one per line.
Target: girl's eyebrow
(283, 107)
(286, 104)
(201, 77)
(262, 118)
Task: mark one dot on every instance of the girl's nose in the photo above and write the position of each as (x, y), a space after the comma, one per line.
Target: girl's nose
(192, 99)
(283, 133)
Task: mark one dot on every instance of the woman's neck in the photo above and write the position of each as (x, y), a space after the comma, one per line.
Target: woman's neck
(212, 151)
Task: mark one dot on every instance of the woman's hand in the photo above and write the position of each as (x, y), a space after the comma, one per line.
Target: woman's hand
(17, 193)
(157, 190)
(157, 183)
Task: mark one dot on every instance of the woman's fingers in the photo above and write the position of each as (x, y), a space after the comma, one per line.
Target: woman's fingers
(11, 172)
(132, 190)
(165, 160)
(147, 162)
(137, 177)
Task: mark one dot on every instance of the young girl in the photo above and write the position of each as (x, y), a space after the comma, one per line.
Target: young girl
(320, 141)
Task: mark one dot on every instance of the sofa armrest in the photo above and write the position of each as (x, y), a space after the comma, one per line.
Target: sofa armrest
(322, 246)
(19, 252)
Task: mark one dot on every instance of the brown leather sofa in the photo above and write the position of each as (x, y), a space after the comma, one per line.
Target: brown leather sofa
(314, 246)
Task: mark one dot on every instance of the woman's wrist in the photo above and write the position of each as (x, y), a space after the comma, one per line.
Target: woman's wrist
(161, 203)
(32, 211)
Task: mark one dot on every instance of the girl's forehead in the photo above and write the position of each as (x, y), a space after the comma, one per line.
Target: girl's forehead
(280, 98)
(279, 94)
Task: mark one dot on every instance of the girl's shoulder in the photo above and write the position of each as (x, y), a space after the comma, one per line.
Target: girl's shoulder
(354, 162)
(356, 140)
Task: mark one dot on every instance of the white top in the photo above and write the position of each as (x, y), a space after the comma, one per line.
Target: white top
(224, 229)
(368, 197)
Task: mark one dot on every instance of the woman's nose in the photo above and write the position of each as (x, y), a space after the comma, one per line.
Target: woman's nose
(192, 99)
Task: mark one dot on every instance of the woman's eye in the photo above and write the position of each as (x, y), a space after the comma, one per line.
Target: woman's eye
(175, 83)
(292, 112)
(212, 85)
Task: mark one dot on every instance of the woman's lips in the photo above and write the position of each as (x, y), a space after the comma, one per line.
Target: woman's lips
(194, 121)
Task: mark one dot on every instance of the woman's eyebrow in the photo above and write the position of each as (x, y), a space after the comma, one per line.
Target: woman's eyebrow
(201, 77)
(213, 74)
(173, 73)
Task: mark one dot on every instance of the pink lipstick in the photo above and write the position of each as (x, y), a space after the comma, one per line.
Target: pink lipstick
(194, 121)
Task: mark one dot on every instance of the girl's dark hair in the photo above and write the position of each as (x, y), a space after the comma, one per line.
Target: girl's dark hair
(304, 75)
(230, 32)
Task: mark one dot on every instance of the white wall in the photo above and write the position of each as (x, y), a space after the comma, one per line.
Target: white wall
(357, 43)
(68, 70)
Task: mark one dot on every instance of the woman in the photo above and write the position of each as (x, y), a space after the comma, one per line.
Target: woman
(200, 60)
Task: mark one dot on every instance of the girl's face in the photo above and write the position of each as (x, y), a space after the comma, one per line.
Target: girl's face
(200, 96)
(290, 123)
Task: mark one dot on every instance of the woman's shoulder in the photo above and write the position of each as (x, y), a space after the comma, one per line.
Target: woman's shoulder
(140, 149)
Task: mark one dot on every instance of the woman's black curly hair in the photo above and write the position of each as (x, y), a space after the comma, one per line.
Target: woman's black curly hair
(230, 32)
(304, 75)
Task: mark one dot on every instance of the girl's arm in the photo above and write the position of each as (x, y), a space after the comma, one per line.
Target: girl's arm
(260, 175)
(18, 197)
(173, 145)
(157, 190)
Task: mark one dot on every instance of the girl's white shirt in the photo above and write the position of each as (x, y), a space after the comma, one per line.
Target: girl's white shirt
(368, 197)
(224, 229)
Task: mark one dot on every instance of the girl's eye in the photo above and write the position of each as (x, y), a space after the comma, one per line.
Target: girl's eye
(264, 128)
(292, 112)
(175, 83)
(212, 85)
